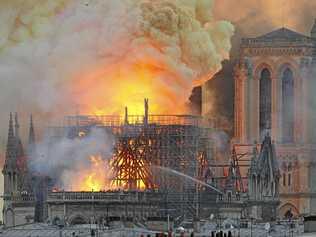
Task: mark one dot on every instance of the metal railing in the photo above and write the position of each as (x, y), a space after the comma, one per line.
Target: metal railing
(118, 120)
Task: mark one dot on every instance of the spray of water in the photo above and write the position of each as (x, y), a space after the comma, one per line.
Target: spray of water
(175, 172)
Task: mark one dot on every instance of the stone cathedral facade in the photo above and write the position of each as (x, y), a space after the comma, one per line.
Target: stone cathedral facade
(275, 94)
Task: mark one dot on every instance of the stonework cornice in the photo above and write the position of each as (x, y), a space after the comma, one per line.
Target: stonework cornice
(293, 42)
(278, 51)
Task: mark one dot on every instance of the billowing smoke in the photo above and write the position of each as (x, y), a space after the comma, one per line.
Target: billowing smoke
(94, 56)
(101, 55)
(75, 164)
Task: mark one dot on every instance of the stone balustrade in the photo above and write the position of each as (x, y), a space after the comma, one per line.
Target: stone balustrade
(109, 196)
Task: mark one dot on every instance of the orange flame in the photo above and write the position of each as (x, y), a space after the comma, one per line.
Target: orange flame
(93, 178)
(108, 90)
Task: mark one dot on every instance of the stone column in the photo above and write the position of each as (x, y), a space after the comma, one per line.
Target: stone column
(278, 109)
(298, 114)
(240, 103)
(255, 111)
(252, 106)
(306, 77)
(274, 106)
(49, 213)
(250, 185)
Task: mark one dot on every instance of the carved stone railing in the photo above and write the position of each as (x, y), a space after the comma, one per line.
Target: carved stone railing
(291, 42)
(104, 197)
(18, 198)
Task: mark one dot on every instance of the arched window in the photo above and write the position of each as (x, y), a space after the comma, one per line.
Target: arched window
(287, 106)
(265, 102)
(289, 179)
(9, 218)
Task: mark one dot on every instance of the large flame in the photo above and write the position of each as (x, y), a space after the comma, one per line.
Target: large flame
(93, 178)
(107, 90)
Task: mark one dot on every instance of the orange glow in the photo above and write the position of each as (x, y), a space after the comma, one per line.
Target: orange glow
(141, 185)
(108, 90)
(93, 178)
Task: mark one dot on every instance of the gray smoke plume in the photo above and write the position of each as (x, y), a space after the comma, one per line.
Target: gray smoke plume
(67, 160)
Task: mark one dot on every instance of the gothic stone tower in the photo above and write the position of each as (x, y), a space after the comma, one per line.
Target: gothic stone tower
(18, 203)
(275, 84)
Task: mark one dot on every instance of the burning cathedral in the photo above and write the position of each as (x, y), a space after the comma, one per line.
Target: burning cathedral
(164, 167)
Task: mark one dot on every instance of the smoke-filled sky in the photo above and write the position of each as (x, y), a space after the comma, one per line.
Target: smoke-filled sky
(100, 55)
(260, 16)
(94, 56)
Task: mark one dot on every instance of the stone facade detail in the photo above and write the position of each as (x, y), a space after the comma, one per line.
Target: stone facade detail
(18, 203)
(277, 52)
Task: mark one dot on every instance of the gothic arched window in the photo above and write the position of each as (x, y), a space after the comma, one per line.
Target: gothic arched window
(287, 106)
(284, 179)
(265, 102)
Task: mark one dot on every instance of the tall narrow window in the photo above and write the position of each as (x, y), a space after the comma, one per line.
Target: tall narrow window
(265, 102)
(287, 106)
(289, 179)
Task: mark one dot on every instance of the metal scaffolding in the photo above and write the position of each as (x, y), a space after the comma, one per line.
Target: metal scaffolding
(148, 147)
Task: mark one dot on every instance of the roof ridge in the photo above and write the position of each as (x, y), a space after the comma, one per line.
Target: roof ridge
(282, 32)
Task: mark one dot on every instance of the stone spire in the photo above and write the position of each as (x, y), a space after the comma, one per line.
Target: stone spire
(17, 126)
(11, 145)
(313, 31)
(31, 141)
(31, 132)
(19, 146)
(9, 167)
(253, 163)
(146, 111)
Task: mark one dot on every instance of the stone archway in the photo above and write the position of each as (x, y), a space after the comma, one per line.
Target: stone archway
(286, 207)
(9, 217)
(56, 221)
